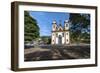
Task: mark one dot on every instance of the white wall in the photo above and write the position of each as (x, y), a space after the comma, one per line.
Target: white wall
(5, 32)
(53, 37)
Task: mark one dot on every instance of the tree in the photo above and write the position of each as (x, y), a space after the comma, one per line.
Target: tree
(46, 39)
(80, 26)
(31, 29)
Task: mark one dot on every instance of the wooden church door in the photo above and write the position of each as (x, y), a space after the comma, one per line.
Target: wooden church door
(60, 39)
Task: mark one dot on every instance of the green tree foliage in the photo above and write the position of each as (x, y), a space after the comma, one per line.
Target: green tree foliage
(46, 39)
(80, 27)
(31, 29)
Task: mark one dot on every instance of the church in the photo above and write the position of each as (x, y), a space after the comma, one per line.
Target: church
(60, 34)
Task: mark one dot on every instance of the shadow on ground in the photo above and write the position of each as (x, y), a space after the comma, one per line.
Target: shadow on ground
(59, 53)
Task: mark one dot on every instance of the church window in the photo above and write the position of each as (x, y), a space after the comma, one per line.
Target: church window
(67, 40)
(54, 26)
(67, 33)
(56, 34)
(63, 34)
(66, 25)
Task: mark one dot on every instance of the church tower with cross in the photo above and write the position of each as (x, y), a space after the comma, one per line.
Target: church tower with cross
(60, 34)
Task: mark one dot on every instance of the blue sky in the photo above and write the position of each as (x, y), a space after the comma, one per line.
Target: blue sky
(44, 20)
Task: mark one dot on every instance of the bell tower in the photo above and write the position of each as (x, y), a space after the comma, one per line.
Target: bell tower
(54, 25)
(54, 28)
(66, 25)
(66, 28)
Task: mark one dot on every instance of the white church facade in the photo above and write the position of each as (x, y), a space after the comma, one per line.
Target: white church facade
(60, 34)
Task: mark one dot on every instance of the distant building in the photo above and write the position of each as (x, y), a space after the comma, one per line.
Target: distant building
(60, 34)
